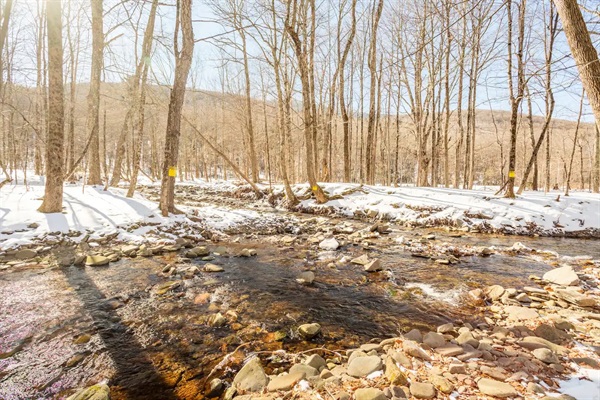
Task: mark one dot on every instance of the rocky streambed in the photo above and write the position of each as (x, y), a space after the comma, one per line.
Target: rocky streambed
(297, 307)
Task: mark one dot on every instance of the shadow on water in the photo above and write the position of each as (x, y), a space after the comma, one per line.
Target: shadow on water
(136, 376)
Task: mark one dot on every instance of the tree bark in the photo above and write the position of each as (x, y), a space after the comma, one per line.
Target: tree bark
(183, 62)
(53, 193)
(93, 99)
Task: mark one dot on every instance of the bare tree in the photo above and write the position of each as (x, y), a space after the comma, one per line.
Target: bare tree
(53, 193)
(183, 62)
(93, 122)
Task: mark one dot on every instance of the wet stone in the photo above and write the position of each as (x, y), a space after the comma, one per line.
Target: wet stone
(309, 331)
(422, 390)
(97, 392)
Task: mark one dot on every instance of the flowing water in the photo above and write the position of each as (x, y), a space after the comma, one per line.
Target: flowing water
(63, 328)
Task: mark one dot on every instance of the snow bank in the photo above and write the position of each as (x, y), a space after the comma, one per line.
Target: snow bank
(86, 210)
(533, 212)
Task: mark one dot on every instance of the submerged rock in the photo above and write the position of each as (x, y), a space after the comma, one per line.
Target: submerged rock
(309, 331)
(97, 392)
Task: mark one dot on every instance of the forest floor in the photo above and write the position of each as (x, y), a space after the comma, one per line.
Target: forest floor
(387, 293)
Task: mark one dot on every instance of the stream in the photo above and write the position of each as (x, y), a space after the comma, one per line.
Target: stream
(71, 327)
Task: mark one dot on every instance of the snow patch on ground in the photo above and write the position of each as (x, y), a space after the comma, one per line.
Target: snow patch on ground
(533, 212)
(584, 384)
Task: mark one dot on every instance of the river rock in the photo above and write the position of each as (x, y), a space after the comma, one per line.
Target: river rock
(369, 394)
(306, 278)
(414, 335)
(521, 313)
(492, 387)
(96, 261)
(373, 266)
(212, 268)
(199, 251)
(100, 391)
(309, 331)
(363, 366)
(442, 384)
(285, 382)
(571, 296)
(422, 390)
(252, 377)
(467, 338)
(551, 334)
(215, 388)
(217, 320)
(393, 373)
(25, 254)
(450, 350)
(564, 276)
(494, 292)
(329, 244)
(413, 349)
(362, 260)
(434, 340)
(315, 361)
(307, 370)
(546, 356)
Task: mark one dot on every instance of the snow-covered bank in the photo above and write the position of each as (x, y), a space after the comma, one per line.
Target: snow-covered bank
(531, 213)
(89, 210)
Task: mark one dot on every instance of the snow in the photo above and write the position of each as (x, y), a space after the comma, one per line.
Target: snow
(90, 209)
(532, 212)
(585, 384)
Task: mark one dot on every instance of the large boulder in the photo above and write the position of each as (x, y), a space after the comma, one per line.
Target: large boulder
(564, 276)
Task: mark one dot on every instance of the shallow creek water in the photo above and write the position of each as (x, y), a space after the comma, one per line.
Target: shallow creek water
(64, 328)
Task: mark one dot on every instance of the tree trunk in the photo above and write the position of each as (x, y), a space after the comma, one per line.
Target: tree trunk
(583, 50)
(53, 193)
(93, 99)
(183, 62)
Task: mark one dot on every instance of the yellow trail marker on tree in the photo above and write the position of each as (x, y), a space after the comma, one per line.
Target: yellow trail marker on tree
(172, 171)
(511, 174)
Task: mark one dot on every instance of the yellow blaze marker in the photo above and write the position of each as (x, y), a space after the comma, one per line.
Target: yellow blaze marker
(511, 174)
(314, 188)
(172, 171)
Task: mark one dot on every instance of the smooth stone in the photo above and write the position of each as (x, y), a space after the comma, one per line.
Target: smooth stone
(251, 377)
(450, 350)
(329, 244)
(442, 384)
(309, 331)
(434, 340)
(306, 278)
(413, 349)
(564, 276)
(362, 260)
(25, 254)
(212, 268)
(363, 366)
(467, 338)
(373, 266)
(315, 361)
(492, 387)
(369, 394)
(307, 370)
(414, 335)
(285, 382)
(546, 356)
(96, 261)
(422, 390)
(521, 313)
(494, 292)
